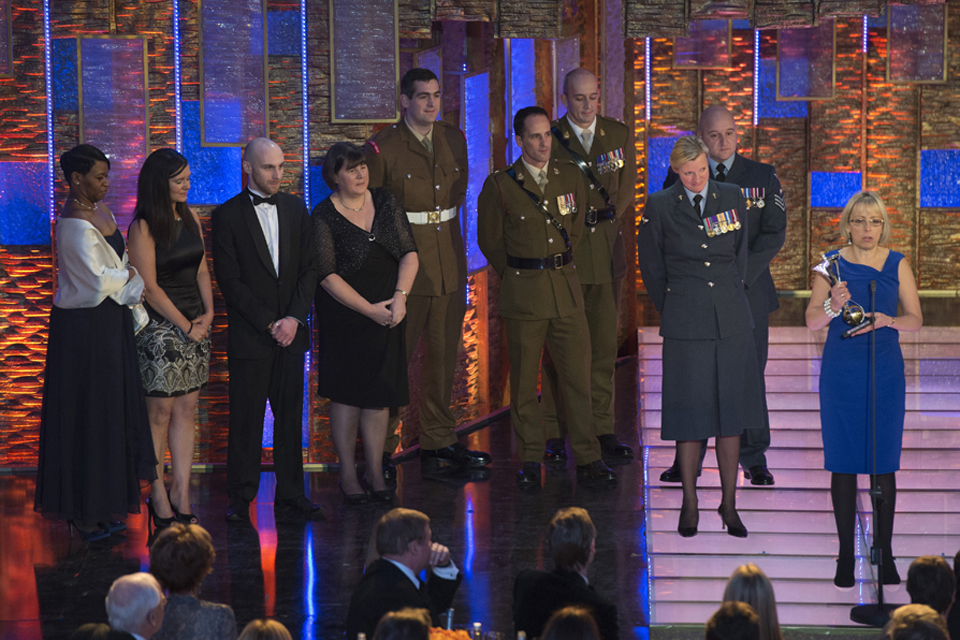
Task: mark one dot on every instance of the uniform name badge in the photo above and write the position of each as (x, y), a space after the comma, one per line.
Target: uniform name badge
(610, 161)
(722, 223)
(566, 204)
(754, 197)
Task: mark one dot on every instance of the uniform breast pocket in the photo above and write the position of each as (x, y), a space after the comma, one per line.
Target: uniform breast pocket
(521, 288)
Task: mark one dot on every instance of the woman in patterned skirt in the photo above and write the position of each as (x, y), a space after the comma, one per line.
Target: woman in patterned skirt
(166, 246)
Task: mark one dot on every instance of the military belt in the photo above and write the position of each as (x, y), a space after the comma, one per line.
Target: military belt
(556, 261)
(595, 215)
(432, 217)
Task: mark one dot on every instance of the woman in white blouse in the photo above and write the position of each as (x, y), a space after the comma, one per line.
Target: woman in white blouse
(95, 443)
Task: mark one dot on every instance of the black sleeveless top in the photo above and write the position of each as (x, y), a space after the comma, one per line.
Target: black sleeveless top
(115, 240)
(177, 273)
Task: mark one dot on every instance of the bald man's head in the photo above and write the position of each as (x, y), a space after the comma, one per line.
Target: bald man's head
(263, 163)
(719, 131)
(581, 95)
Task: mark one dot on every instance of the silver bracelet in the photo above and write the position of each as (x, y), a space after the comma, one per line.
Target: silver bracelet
(829, 310)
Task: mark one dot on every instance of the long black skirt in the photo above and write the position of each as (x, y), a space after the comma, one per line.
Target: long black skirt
(95, 442)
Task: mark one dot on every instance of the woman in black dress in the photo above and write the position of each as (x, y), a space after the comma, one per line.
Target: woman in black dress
(368, 261)
(166, 245)
(94, 435)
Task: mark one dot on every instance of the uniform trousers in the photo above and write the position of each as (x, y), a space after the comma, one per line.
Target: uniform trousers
(439, 319)
(252, 382)
(755, 439)
(567, 339)
(600, 306)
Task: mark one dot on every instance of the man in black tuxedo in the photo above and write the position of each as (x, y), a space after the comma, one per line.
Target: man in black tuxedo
(135, 605)
(392, 582)
(571, 537)
(266, 270)
(766, 229)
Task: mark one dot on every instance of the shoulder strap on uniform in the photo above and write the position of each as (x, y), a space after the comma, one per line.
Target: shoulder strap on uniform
(584, 167)
(543, 209)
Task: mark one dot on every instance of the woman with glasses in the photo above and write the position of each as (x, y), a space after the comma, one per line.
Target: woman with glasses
(846, 398)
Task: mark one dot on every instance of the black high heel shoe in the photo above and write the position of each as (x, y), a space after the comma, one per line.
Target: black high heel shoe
(735, 529)
(114, 526)
(353, 499)
(377, 495)
(182, 518)
(158, 522)
(87, 536)
(688, 532)
(844, 578)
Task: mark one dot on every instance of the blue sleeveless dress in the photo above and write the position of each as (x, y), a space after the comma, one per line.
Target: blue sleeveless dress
(846, 407)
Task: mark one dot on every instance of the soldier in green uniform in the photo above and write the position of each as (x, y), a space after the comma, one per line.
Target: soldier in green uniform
(423, 162)
(603, 150)
(530, 218)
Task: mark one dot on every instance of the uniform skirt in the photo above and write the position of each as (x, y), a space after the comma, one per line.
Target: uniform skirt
(710, 387)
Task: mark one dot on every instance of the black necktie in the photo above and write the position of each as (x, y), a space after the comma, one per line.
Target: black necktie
(257, 200)
(721, 172)
(696, 204)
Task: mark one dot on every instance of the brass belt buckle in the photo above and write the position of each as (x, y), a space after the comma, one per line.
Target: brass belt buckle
(433, 217)
(558, 261)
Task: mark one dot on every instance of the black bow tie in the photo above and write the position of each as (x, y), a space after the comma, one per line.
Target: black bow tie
(257, 200)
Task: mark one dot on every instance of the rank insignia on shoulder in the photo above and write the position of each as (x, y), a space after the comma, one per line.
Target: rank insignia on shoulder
(556, 171)
(779, 201)
(566, 204)
(374, 145)
(644, 220)
(602, 132)
(519, 176)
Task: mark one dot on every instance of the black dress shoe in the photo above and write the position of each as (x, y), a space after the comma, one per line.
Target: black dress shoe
(759, 475)
(614, 451)
(596, 475)
(389, 469)
(297, 509)
(238, 511)
(353, 499)
(528, 478)
(672, 474)
(450, 459)
(555, 455)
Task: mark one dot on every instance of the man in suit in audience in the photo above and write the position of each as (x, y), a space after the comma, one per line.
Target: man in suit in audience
(571, 537)
(932, 582)
(267, 273)
(767, 227)
(392, 582)
(603, 150)
(423, 162)
(135, 605)
(530, 219)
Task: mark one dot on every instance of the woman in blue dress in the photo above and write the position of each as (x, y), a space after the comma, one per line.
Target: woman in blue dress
(846, 401)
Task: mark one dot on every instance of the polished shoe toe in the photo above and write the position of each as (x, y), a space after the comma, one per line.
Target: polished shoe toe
(670, 474)
(596, 475)
(528, 478)
(555, 454)
(614, 451)
(759, 475)
(451, 459)
(299, 508)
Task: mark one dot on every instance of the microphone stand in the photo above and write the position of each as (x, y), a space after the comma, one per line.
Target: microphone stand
(874, 615)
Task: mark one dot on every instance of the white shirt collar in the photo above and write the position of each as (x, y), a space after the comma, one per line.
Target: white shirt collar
(728, 164)
(262, 195)
(532, 170)
(407, 571)
(136, 635)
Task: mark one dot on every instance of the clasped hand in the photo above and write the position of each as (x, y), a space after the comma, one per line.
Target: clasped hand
(284, 331)
(389, 313)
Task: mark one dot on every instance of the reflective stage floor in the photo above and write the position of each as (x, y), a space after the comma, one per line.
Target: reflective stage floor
(303, 575)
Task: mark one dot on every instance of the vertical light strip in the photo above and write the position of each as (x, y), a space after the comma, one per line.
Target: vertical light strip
(48, 84)
(177, 96)
(305, 79)
(756, 77)
(865, 25)
(646, 78)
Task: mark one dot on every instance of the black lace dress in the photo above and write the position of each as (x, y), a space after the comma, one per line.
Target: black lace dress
(361, 363)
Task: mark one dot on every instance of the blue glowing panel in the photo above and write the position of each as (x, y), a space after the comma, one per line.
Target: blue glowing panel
(832, 190)
(878, 22)
(658, 160)
(233, 86)
(113, 113)
(806, 62)
(24, 217)
(476, 127)
(769, 106)
(63, 56)
(363, 55)
(319, 191)
(917, 51)
(740, 24)
(522, 85)
(283, 33)
(432, 59)
(940, 178)
(567, 56)
(215, 172)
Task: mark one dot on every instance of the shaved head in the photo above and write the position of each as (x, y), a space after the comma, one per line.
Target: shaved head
(718, 129)
(581, 95)
(577, 75)
(263, 163)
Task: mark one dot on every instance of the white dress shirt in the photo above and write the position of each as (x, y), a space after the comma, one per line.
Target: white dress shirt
(267, 215)
(89, 270)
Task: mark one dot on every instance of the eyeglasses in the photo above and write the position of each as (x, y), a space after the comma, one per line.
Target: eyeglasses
(863, 222)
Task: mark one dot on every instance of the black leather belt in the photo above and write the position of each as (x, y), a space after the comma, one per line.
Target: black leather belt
(599, 215)
(556, 261)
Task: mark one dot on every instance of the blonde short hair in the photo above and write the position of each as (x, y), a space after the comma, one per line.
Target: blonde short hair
(857, 202)
(686, 149)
